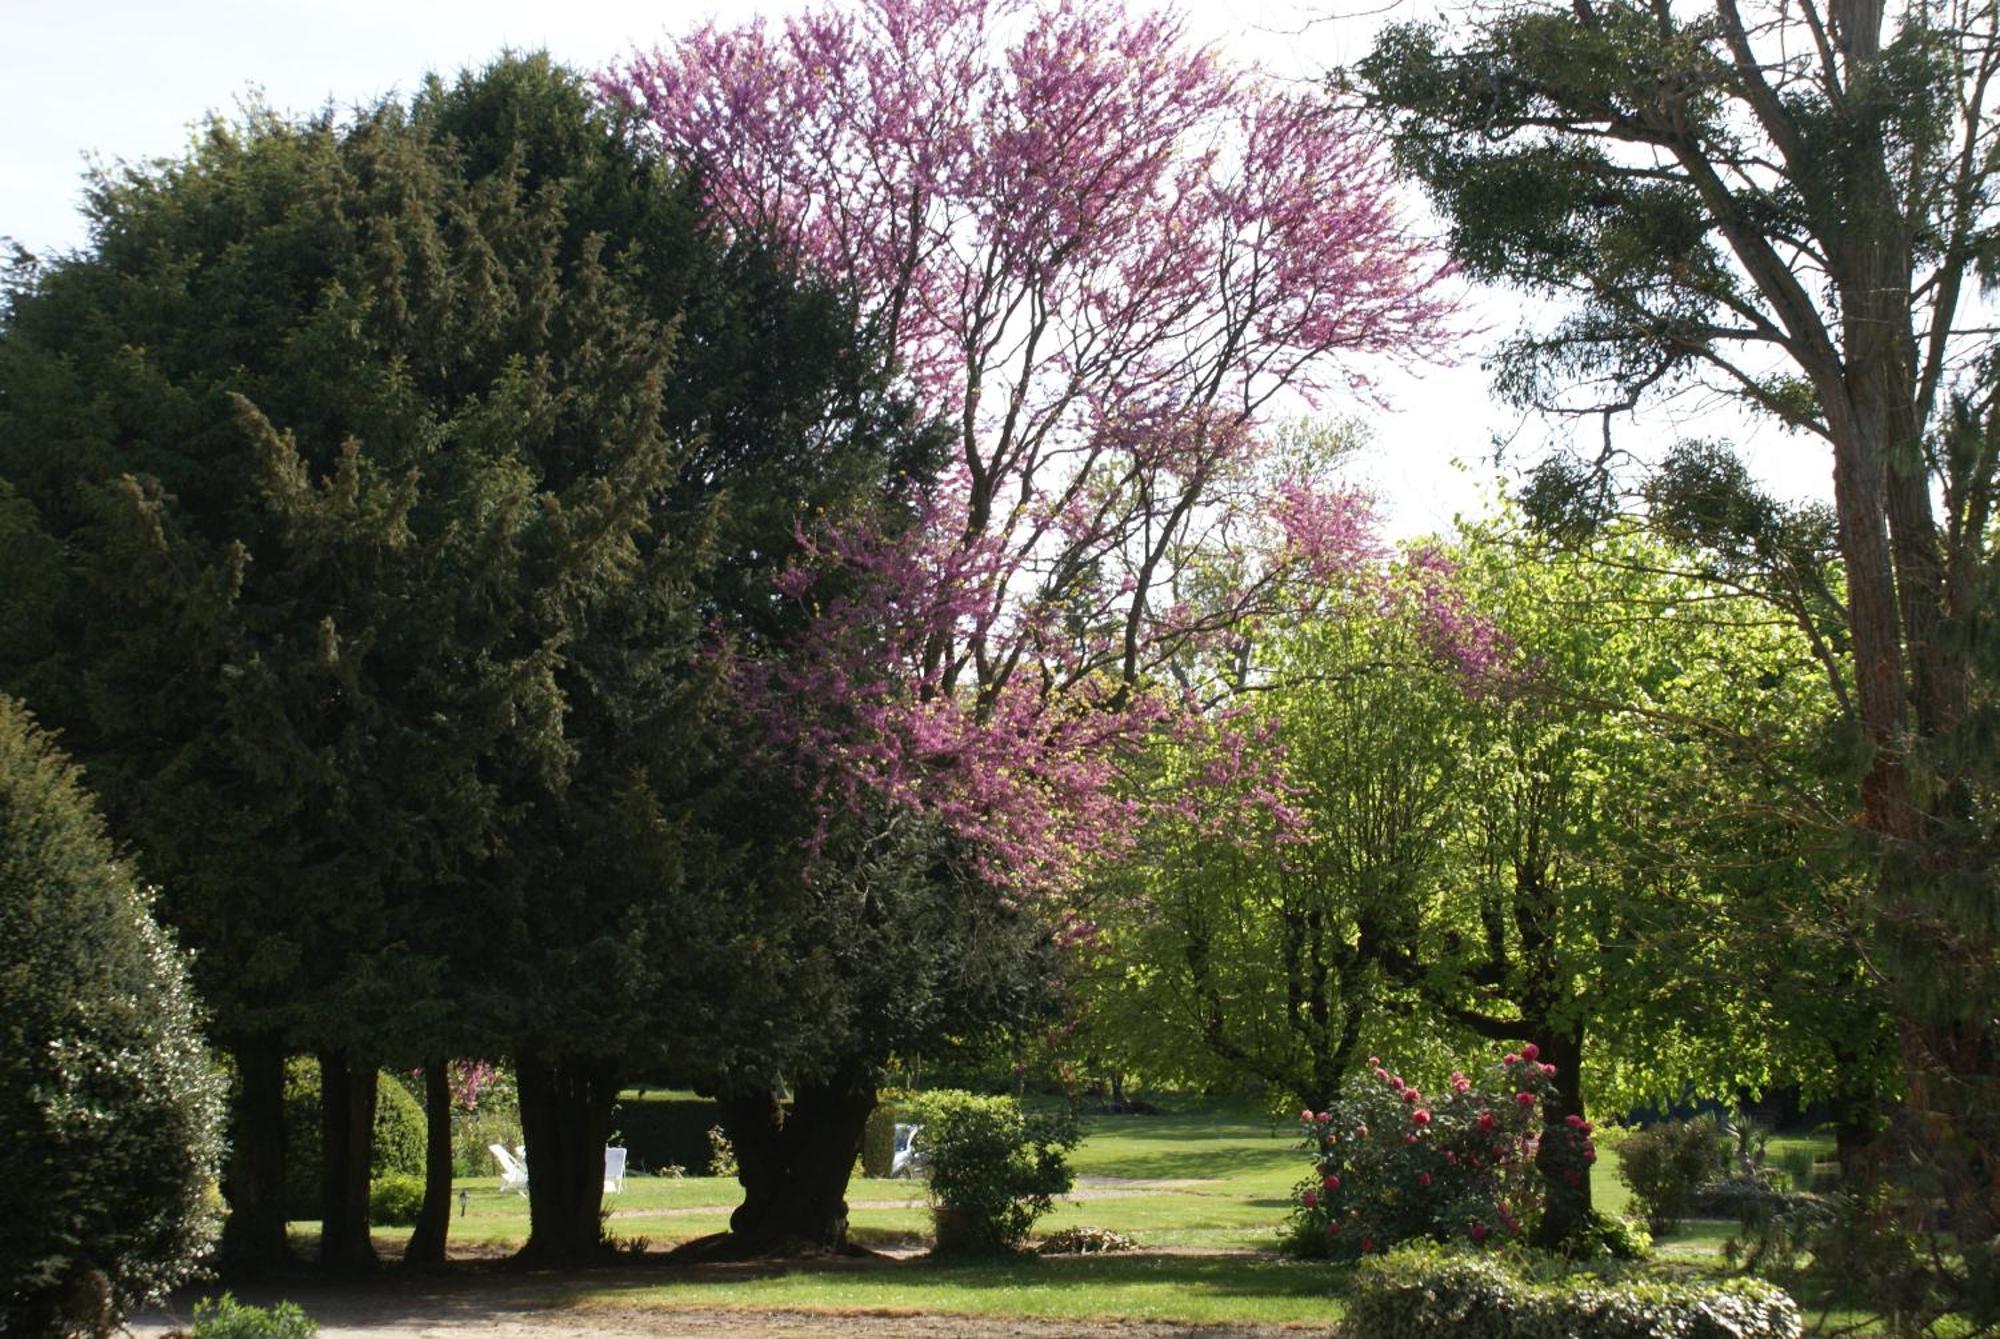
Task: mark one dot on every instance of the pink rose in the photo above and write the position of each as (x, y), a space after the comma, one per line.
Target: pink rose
(1332, 1182)
(1311, 1199)
(1486, 1121)
(1361, 1131)
(1531, 1052)
(1420, 1116)
(1374, 1059)
(1525, 1099)
(1409, 1139)
(1574, 1121)
(1548, 1071)
(1423, 1178)
(1324, 1117)
(1367, 1245)
(1305, 1118)
(1411, 1095)
(1479, 1232)
(1511, 1058)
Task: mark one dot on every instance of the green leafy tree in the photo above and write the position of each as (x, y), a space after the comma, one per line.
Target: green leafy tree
(1795, 201)
(110, 1106)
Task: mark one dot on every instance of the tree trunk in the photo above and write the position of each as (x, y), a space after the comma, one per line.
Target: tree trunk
(347, 1141)
(566, 1106)
(1566, 1205)
(794, 1167)
(427, 1239)
(253, 1235)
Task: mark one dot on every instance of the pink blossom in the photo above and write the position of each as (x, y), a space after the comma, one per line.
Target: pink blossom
(1574, 1121)
(1479, 1232)
(1367, 1245)
(1531, 1052)
(1486, 1120)
(1511, 1059)
(1310, 1199)
(1525, 1099)
(1411, 1095)
(1420, 1116)
(1423, 1178)
(1305, 1118)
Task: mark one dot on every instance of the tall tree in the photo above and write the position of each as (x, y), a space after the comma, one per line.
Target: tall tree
(395, 519)
(1098, 257)
(1794, 201)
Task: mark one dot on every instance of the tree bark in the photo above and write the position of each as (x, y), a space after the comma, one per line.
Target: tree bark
(347, 1142)
(253, 1235)
(1566, 1203)
(794, 1167)
(427, 1239)
(566, 1106)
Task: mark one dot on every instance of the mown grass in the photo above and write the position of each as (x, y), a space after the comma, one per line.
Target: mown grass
(1213, 1179)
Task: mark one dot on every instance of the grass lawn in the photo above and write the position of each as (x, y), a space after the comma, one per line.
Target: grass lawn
(1208, 1183)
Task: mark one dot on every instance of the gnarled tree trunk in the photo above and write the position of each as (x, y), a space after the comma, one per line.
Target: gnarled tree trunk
(566, 1106)
(794, 1167)
(1566, 1204)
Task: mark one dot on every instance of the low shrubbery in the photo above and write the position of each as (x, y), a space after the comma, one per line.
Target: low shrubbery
(994, 1169)
(878, 1140)
(393, 1200)
(1666, 1165)
(226, 1318)
(1392, 1164)
(1424, 1290)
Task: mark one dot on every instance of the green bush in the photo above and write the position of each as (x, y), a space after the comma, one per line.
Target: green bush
(1604, 1237)
(878, 1140)
(393, 1200)
(993, 1168)
(399, 1135)
(226, 1318)
(1666, 1165)
(110, 1107)
(1423, 1290)
(721, 1153)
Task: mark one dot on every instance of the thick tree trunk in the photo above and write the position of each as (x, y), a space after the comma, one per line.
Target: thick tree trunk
(347, 1141)
(1566, 1205)
(566, 1104)
(253, 1235)
(427, 1239)
(794, 1167)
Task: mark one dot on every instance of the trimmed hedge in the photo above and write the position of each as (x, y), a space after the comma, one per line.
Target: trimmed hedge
(399, 1135)
(878, 1140)
(660, 1131)
(1422, 1290)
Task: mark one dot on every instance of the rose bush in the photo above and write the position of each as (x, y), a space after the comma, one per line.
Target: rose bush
(1392, 1162)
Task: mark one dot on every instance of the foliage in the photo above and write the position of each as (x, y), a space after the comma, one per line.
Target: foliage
(1392, 1164)
(110, 1105)
(1667, 1164)
(394, 1199)
(878, 1138)
(665, 1128)
(721, 1153)
(1428, 1292)
(397, 1148)
(1602, 1236)
(993, 1168)
(1085, 1241)
(226, 1318)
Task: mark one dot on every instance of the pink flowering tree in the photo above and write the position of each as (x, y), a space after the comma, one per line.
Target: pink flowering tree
(1101, 256)
(1104, 261)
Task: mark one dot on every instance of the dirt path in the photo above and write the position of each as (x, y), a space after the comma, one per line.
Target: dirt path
(510, 1305)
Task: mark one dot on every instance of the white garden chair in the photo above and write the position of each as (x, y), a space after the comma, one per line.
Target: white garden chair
(906, 1160)
(513, 1171)
(614, 1170)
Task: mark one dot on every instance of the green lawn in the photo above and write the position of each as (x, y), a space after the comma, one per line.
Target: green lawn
(1210, 1179)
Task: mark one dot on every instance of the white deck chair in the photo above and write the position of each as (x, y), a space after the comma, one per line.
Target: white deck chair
(614, 1170)
(907, 1160)
(513, 1171)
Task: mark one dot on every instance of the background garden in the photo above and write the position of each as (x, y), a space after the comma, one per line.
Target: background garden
(811, 569)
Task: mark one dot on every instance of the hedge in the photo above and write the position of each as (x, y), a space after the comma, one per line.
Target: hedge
(663, 1131)
(1423, 1290)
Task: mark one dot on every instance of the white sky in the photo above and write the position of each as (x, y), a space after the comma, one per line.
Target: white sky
(126, 79)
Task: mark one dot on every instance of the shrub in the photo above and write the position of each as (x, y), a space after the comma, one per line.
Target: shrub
(1391, 1164)
(1665, 1165)
(109, 1105)
(399, 1135)
(664, 1131)
(1086, 1241)
(721, 1153)
(393, 1200)
(226, 1318)
(1423, 1290)
(878, 1140)
(993, 1168)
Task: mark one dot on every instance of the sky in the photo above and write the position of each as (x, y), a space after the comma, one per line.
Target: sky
(126, 80)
